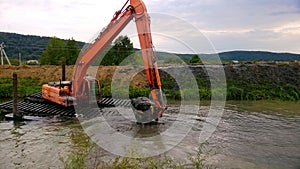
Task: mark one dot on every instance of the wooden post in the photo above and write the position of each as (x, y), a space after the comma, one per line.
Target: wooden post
(16, 113)
(63, 72)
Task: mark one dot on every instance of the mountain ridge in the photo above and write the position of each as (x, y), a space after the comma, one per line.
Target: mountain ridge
(31, 47)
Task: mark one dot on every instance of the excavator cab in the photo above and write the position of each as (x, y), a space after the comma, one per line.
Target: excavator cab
(91, 86)
(61, 92)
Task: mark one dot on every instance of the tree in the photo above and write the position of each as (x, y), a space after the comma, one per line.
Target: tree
(53, 52)
(172, 59)
(195, 59)
(71, 52)
(122, 48)
(57, 50)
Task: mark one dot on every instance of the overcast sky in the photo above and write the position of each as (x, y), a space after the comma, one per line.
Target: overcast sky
(270, 25)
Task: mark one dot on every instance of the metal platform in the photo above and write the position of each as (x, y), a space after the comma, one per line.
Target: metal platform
(35, 105)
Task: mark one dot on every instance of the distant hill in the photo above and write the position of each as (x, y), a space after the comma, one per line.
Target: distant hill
(240, 56)
(258, 56)
(31, 47)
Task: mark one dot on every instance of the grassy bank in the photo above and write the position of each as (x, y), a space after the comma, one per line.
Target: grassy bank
(242, 90)
(252, 82)
(26, 86)
(235, 90)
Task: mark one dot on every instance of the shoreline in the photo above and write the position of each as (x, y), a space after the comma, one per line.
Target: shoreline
(244, 82)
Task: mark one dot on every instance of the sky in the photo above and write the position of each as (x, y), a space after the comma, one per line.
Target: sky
(181, 26)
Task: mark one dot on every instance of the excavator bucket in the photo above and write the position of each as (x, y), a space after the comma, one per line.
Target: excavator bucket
(144, 110)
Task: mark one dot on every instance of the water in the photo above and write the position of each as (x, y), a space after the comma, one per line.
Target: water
(250, 139)
(249, 135)
(35, 144)
(255, 140)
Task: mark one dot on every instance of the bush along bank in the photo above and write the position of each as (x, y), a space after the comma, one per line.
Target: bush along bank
(234, 89)
(243, 82)
(241, 90)
(26, 86)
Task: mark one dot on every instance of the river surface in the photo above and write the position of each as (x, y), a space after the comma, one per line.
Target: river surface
(249, 135)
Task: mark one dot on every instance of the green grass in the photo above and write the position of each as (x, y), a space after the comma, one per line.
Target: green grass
(26, 86)
(236, 90)
(239, 90)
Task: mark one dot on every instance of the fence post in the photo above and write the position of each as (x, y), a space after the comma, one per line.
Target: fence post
(16, 113)
(63, 72)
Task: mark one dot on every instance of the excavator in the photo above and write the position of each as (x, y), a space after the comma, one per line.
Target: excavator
(67, 92)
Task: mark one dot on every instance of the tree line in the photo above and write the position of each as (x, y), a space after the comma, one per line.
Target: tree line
(29, 46)
(33, 47)
(58, 50)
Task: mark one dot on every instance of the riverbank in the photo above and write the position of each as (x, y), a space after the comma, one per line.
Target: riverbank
(243, 81)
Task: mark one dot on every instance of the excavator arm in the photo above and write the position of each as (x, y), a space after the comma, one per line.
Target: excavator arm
(137, 10)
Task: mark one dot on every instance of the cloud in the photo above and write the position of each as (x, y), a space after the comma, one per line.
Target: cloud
(240, 24)
(256, 40)
(289, 28)
(229, 25)
(64, 19)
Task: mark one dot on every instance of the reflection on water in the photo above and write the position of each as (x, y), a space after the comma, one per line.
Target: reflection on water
(249, 135)
(253, 140)
(245, 139)
(281, 108)
(35, 144)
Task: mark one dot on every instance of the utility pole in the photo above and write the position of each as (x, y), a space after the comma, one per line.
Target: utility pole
(20, 61)
(1, 46)
(2, 51)
(1, 57)
(63, 72)
(16, 114)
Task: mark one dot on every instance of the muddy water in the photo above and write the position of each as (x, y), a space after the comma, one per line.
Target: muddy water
(248, 139)
(249, 135)
(35, 144)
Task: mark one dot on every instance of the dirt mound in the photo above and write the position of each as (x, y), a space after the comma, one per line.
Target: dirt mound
(43, 73)
(50, 73)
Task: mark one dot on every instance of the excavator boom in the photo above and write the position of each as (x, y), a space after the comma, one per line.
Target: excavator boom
(116, 25)
(136, 10)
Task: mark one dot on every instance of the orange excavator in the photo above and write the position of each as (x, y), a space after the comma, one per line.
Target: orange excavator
(67, 92)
